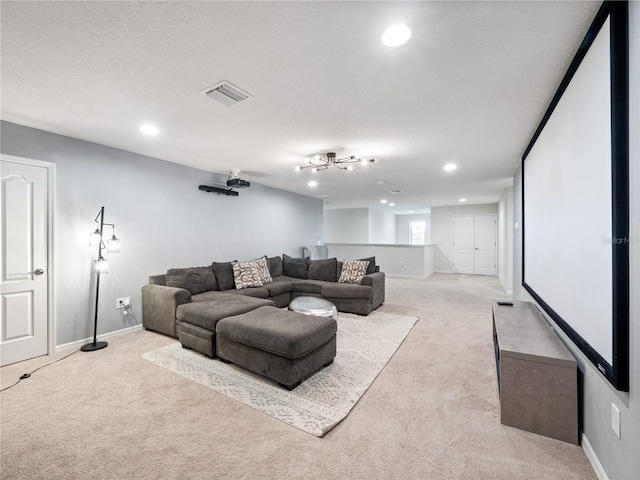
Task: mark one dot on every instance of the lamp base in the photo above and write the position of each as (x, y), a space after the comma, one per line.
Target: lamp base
(90, 347)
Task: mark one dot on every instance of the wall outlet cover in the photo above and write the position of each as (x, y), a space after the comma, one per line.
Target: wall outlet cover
(615, 420)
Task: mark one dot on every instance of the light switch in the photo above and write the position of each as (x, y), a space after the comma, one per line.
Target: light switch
(615, 420)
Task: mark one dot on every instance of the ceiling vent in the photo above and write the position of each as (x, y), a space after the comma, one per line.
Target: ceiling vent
(226, 93)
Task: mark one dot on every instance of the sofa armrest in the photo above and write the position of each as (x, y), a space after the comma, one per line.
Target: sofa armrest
(376, 282)
(159, 305)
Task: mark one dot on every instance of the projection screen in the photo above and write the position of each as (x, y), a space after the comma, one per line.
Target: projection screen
(575, 200)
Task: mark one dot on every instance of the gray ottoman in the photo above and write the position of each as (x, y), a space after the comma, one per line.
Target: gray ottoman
(281, 345)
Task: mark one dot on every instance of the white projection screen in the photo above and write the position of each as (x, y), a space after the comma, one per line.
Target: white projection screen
(575, 200)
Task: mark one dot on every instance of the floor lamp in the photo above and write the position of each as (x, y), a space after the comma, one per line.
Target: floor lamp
(100, 266)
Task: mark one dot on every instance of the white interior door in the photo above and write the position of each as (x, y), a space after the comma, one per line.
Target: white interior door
(463, 244)
(485, 245)
(25, 236)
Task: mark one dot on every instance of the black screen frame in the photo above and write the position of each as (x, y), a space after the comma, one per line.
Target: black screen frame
(617, 373)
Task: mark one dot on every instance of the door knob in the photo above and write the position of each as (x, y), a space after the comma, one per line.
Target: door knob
(39, 271)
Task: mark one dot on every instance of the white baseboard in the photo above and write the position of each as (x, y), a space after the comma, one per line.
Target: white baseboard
(79, 343)
(408, 277)
(593, 459)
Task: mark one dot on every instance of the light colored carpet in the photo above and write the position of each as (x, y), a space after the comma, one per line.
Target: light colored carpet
(364, 346)
(433, 412)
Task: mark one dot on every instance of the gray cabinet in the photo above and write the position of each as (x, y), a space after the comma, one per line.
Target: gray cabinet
(537, 375)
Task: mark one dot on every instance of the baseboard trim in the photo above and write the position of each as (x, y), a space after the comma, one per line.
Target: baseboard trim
(593, 459)
(79, 343)
(408, 277)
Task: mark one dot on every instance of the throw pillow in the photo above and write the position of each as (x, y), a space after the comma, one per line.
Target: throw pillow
(295, 267)
(247, 274)
(275, 266)
(326, 269)
(353, 271)
(224, 275)
(372, 264)
(194, 279)
(263, 269)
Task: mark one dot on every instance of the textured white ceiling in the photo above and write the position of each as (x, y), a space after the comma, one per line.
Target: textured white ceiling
(469, 87)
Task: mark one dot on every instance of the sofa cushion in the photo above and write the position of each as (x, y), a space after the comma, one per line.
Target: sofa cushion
(207, 314)
(347, 291)
(224, 275)
(307, 286)
(275, 266)
(353, 271)
(281, 332)
(295, 267)
(251, 274)
(194, 279)
(277, 288)
(371, 268)
(326, 269)
(257, 292)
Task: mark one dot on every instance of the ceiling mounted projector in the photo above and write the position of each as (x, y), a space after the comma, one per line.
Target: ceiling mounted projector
(234, 180)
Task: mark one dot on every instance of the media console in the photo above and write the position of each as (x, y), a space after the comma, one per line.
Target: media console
(537, 375)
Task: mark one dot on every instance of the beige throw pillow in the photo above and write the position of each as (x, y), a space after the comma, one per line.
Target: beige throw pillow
(353, 271)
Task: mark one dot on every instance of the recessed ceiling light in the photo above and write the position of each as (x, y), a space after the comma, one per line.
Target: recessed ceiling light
(384, 200)
(380, 182)
(450, 167)
(462, 200)
(410, 211)
(392, 204)
(396, 36)
(149, 129)
(313, 183)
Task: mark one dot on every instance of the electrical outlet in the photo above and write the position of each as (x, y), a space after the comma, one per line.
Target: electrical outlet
(123, 302)
(615, 420)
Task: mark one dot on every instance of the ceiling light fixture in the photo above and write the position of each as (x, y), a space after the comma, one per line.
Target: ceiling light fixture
(149, 129)
(462, 200)
(450, 167)
(384, 200)
(392, 204)
(396, 36)
(322, 162)
(313, 183)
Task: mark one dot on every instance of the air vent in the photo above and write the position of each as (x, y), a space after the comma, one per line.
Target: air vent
(396, 192)
(226, 93)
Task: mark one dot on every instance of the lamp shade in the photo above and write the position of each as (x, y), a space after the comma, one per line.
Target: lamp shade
(113, 245)
(95, 239)
(101, 265)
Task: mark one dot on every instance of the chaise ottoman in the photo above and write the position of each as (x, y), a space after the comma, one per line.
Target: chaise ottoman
(281, 345)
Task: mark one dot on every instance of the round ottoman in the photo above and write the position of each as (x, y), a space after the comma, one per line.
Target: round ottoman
(314, 306)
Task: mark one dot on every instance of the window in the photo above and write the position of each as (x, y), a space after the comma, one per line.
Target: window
(417, 233)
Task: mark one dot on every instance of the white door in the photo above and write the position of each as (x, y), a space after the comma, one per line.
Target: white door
(474, 244)
(25, 236)
(485, 245)
(463, 245)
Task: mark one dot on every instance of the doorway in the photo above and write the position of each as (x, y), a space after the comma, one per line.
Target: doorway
(474, 244)
(26, 189)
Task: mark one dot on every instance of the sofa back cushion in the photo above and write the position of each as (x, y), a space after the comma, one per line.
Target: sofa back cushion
(326, 269)
(275, 266)
(224, 275)
(194, 279)
(372, 264)
(295, 267)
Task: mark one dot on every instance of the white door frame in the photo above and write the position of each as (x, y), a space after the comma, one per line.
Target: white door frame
(51, 273)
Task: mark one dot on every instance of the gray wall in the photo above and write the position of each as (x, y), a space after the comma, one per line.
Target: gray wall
(403, 227)
(162, 218)
(505, 240)
(382, 225)
(442, 231)
(618, 456)
(347, 225)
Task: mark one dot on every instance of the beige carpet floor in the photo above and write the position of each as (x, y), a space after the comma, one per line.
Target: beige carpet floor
(432, 413)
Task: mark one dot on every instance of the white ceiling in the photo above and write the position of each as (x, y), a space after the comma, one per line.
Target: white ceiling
(470, 87)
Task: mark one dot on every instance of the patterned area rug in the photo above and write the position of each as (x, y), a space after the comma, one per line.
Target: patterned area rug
(364, 344)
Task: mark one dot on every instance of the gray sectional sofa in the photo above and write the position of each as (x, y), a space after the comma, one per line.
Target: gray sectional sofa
(195, 304)
(211, 291)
